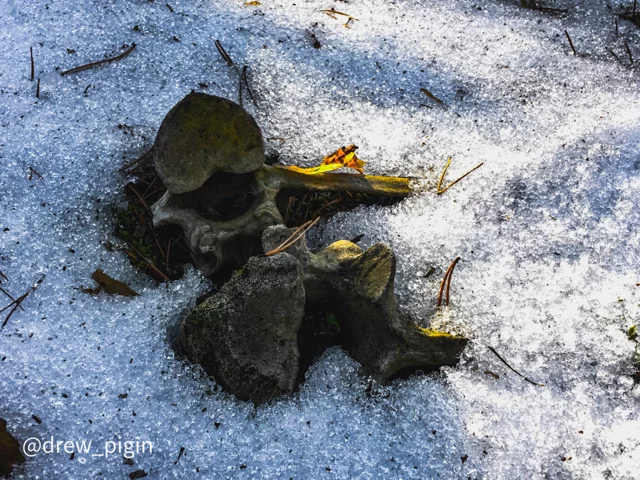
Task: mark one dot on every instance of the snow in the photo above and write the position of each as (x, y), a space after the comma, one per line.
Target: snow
(547, 230)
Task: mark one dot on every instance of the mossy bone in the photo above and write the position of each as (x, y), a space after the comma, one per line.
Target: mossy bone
(208, 146)
(250, 335)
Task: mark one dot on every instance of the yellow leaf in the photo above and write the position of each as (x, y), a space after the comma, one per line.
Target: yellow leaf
(253, 4)
(343, 157)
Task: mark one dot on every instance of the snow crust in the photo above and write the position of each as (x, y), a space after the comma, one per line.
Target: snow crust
(547, 230)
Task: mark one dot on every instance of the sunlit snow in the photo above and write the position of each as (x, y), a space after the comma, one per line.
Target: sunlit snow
(547, 231)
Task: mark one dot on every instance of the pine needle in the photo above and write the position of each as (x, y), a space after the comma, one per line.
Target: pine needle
(440, 190)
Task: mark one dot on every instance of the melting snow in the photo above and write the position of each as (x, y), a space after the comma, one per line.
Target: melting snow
(547, 230)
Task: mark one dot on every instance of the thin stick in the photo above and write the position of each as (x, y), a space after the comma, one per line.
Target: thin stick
(137, 160)
(570, 42)
(332, 12)
(33, 67)
(32, 171)
(288, 244)
(293, 234)
(300, 231)
(99, 62)
(38, 89)
(240, 88)
(9, 295)
(153, 232)
(552, 10)
(166, 263)
(513, 369)
(440, 190)
(446, 167)
(19, 300)
(3, 276)
(453, 265)
(144, 195)
(332, 202)
(148, 262)
(444, 282)
(223, 53)
(286, 214)
(616, 19)
(15, 306)
(614, 55)
(246, 84)
(626, 46)
(139, 197)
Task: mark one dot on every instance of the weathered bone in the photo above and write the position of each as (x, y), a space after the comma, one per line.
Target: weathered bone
(183, 166)
(246, 335)
(212, 242)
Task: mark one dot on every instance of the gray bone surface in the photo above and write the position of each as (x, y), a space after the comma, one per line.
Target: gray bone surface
(246, 335)
(204, 134)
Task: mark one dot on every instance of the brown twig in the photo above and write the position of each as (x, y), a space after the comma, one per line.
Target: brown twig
(513, 369)
(440, 190)
(144, 204)
(223, 53)
(286, 214)
(332, 202)
(614, 55)
(137, 160)
(38, 89)
(148, 262)
(144, 195)
(570, 42)
(99, 62)
(19, 300)
(453, 265)
(32, 171)
(10, 297)
(15, 304)
(153, 232)
(33, 66)
(166, 262)
(446, 280)
(169, 7)
(626, 46)
(300, 231)
(243, 78)
(3, 276)
(332, 12)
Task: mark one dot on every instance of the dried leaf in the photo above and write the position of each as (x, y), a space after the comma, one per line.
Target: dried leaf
(343, 157)
(10, 454)
(430, 95)
(112, 286)
(253, 4)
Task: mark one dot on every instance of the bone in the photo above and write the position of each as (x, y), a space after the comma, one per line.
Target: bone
(191, 149)
(248, 335)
